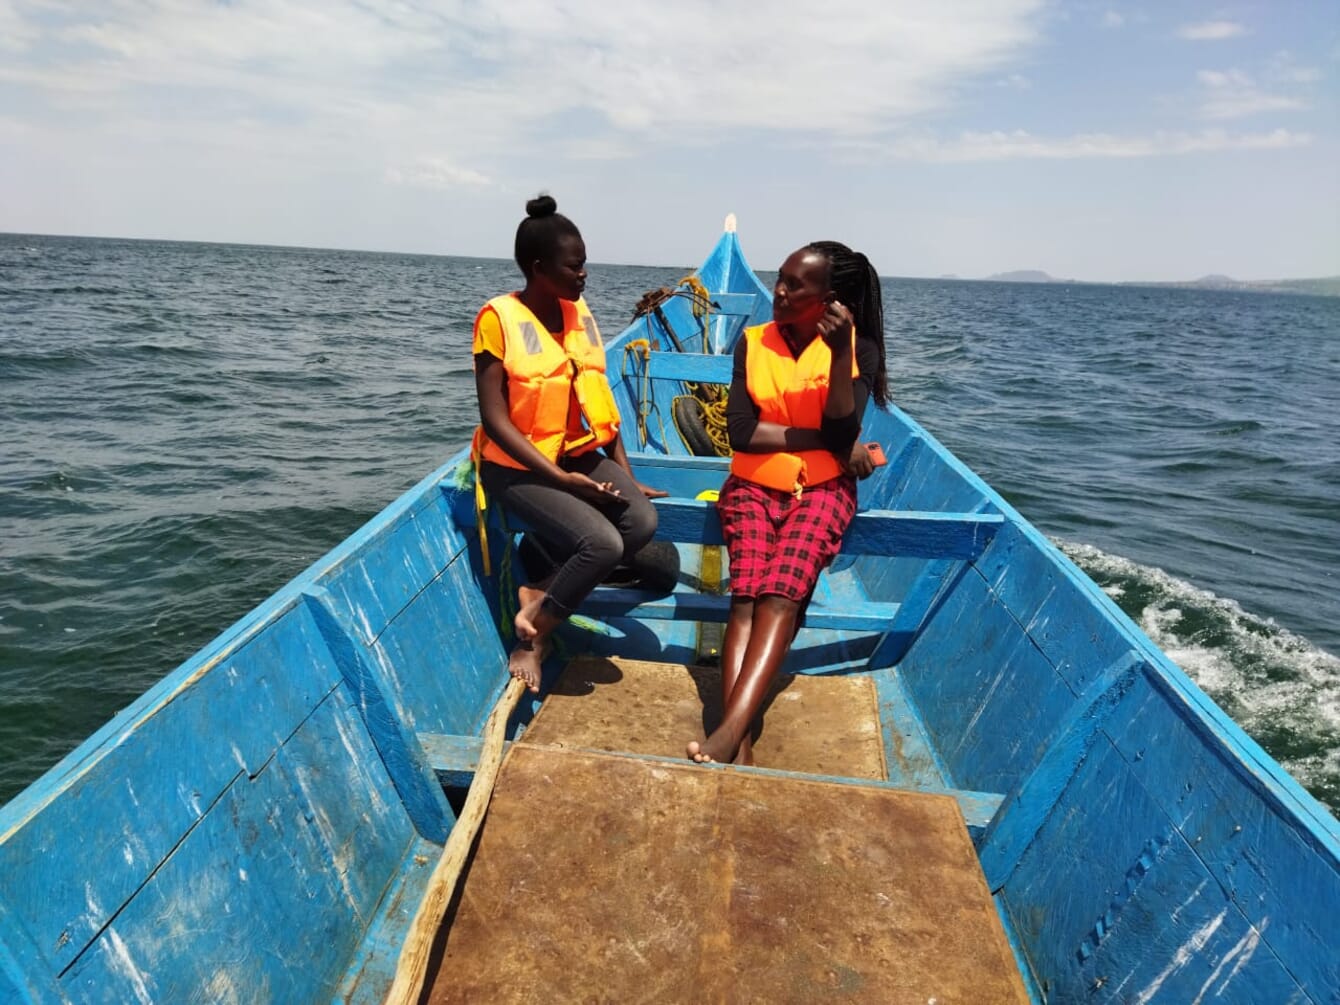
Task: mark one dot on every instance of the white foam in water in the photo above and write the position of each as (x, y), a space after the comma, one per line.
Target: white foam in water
(1269, 677)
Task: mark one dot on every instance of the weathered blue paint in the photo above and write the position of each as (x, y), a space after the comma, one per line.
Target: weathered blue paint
(680, 366)
(1037, 794)
(874, 532)
(604, 602)
(23, 976)
(252, 827)
(405, 764)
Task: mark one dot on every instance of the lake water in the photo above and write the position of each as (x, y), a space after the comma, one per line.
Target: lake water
(184, 427)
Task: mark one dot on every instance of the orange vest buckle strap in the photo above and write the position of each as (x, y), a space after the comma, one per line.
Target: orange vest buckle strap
(789, 391)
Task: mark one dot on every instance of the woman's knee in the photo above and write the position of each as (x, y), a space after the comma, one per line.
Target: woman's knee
(639, 525)
(602, 546)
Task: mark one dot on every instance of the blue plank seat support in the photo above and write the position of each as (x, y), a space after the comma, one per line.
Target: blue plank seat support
(696, 367)
(945, 539)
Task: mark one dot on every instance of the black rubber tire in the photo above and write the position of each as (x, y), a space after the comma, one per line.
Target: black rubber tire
(692, 426)
(655, 567)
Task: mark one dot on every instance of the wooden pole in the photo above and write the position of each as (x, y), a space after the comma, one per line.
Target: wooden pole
(412, 968)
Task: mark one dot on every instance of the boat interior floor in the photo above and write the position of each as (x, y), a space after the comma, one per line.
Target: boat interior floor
(816, 725)
(610, 869)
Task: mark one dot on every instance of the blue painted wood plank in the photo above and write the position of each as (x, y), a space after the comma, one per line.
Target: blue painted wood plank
(442, 660)
(899, 444)
(991, 718)
(1037, 794)
(1065, 613)
(268, 897)
(153, 779)
(25, 977)
(680, 476)
(928, 591)
(695, 367)
(930, 478)
(914, 611)
(454, 758)
(911, 759)
(1125, 911)
(404, 761)
(686, 606)
(921, 535)
(1268, 863)
(400, 559)
(875, 532)
(372, 969)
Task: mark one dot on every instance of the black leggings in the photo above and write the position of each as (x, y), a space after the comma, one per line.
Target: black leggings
(589, 540)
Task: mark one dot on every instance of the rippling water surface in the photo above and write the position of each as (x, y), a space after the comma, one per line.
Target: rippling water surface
(184, 427)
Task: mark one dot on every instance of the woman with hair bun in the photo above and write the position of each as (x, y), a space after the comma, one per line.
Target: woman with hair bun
(548, 447)
(798, 393)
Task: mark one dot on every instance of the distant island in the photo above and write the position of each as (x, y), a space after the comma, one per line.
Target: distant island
(1024, 276)
(1326, 286)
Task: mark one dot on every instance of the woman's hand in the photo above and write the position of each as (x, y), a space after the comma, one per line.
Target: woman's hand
(585, 487)
(615, 451)
(859, 462)
(835, 326)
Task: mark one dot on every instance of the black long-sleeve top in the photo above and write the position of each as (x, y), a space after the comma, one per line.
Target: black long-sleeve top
(742, 414)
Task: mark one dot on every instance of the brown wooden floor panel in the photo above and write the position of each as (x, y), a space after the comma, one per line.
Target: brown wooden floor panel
(818, 725)
(600, 878)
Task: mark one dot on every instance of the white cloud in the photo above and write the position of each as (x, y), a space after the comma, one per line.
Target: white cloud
(1113, 19)
(639, 66)
(1021, 145)
(448, 94)
(435, 172)
(1284, 68)
(1233, 94)
(16, 34)
(1211, 31)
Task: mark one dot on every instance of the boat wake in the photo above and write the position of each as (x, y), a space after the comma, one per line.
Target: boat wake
(1279, 687)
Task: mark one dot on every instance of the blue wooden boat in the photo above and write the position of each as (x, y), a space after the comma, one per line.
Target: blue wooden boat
(262, 825)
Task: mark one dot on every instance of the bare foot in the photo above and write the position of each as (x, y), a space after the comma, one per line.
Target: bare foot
(529, 598)
(524, 663)
(717, 748)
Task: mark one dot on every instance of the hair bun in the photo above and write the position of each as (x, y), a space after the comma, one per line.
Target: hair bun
(541, 205)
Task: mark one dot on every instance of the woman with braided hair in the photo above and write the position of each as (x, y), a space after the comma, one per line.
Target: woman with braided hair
(798, 391)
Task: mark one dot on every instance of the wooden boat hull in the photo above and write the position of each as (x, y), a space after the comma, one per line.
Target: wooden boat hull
(259, 826)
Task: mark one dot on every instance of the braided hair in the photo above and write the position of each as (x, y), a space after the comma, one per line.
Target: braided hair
(538, 236)
(856, 283)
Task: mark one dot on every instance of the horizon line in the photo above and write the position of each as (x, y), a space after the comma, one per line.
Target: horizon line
(944, 277)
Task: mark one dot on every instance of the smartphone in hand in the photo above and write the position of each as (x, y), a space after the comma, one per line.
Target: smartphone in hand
(876, 454)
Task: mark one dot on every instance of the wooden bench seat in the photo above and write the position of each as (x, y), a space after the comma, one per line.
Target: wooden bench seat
(888, 533)
(685, 605)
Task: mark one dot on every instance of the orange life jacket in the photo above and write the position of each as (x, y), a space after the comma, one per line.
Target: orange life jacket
(790, 392)
(544, 374)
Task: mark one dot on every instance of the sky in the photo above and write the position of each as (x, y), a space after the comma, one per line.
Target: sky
(1096, 141)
